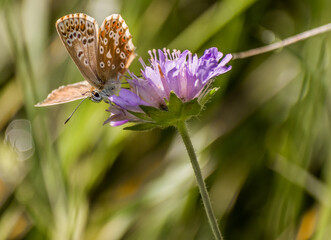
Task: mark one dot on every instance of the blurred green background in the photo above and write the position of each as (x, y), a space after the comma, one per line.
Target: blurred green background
(263, 141)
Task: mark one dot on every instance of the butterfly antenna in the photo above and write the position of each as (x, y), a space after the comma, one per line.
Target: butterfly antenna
(75, 110)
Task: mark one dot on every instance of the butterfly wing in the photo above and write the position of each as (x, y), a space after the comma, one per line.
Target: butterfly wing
(67, 93)
(78, 33)
(115, 48)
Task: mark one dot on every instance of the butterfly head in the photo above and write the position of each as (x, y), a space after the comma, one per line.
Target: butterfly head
(111, 88)
(95, 96)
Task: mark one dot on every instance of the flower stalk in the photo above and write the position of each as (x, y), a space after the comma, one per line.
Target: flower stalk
(181, 126)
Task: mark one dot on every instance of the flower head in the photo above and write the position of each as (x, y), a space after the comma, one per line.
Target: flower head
(170, 75)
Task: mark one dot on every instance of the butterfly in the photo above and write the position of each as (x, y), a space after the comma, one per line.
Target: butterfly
(102, 55)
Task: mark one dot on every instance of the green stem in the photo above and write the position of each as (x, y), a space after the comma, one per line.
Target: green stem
(181, 126)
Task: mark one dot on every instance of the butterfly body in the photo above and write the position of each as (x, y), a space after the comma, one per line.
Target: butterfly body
(110, 88)
(102, 55)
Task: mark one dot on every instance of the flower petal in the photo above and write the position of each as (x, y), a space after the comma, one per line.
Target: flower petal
(127, 100)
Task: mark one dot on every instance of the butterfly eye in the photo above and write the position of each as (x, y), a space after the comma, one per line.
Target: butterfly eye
(95, 96)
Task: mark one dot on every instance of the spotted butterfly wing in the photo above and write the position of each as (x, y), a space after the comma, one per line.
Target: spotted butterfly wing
(115, 48)
(66, 94)
(78, 33)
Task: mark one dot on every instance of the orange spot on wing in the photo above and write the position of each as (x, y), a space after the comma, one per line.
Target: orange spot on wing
(90, 31)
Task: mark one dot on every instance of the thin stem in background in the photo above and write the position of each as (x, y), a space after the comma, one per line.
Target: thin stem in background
(285, 42)
(181, 126)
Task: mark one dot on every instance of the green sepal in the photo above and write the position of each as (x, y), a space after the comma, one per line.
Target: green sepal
(155, 114)
(210, 93)
(183, 110)
(140, 115)
(174, 104)
(191, 108)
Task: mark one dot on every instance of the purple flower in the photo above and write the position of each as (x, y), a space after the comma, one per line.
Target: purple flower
(184, 74)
